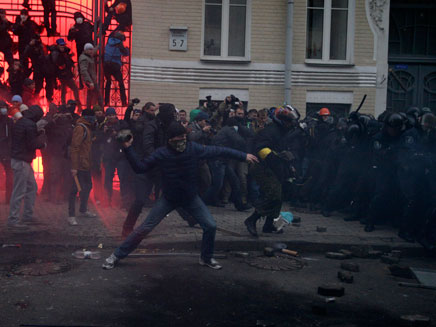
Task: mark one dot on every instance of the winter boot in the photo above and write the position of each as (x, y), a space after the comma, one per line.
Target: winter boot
(250, 223)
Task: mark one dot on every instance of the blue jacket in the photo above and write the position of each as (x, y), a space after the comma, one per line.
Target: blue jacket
(180, 169)
(114, 50)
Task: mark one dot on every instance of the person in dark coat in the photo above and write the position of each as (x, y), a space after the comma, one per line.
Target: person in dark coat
(25, 28)
(113, 158)
(59, 132)
(61, 57)
(81, 32)
(25, 141)
(6, 125)
(36, 52)
(178, 161)
(5, 37)
(273, 170)
(17, 76)
(112, 64)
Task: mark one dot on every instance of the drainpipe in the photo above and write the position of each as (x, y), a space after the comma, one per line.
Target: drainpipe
(288, 59)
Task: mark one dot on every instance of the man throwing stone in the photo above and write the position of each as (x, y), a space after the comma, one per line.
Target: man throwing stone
(179, 162)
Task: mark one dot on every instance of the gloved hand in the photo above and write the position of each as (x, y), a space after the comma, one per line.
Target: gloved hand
(286, 155)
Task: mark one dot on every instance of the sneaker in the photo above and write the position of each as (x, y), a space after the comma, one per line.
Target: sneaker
(110, 262)
(17, 226)
(88, 214)
(212, 263)
(72, 221)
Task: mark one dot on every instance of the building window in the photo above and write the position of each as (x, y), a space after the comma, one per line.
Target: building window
(226, 33)
(329, 31)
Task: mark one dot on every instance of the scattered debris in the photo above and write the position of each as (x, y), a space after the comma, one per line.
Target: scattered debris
(276, 263)
(425, 276)
(336, 255)
(40, 268)
(100, 246)
(374, 254)
(321, 305)
(350, 266)
(348, 253)
(360, 251)
(240, 254)
(401, 271)
(427, 287)
(290, 252)
(84, 254)
(264, 323)
(390, 260)
(268, 251)
(11, 245)
(21, 305)
(345, 277)
(331, 290)
(415, 320)
(320, 229)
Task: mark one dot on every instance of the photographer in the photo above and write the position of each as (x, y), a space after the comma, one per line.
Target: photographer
(112, 63)
(113, 158)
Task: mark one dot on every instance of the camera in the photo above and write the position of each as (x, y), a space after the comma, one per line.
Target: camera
(125, 135)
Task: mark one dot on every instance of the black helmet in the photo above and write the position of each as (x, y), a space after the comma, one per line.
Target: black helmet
(353, 131)
(395, 120)
(413, 111)
(425, 110)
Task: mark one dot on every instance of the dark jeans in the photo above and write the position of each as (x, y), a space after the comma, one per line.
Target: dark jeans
(122, 167)
(49, 8)
(219, 170)
(85, 182)
(194, 206)
(143, 186)
(113, 69)
(72, 85)
(6, 163)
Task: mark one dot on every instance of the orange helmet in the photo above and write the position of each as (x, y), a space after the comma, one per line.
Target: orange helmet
(324, 112)
(121, 8)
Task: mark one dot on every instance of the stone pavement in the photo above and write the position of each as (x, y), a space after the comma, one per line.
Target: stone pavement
(173, 232)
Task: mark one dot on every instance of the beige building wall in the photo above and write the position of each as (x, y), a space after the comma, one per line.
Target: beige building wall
(153, 18)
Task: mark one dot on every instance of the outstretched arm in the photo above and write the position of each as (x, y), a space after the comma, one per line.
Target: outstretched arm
(212, 152)
(139, 166)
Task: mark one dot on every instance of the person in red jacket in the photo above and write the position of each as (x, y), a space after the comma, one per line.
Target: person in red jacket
(28, 95)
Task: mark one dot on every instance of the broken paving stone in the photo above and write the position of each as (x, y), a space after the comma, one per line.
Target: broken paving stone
(241, 254)
(345, 277)
(360, 251)
(348, 253)
(415, 320)
(331, 290)
(320, 229)
(336, 255)
(390, 260)
(350, 266)
(374, 254)
(401, 271)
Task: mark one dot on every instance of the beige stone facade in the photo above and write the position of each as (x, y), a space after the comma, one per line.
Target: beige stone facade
(161, 75)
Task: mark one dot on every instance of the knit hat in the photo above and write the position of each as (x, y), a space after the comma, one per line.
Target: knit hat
(88, 46)
(96, 108)
(110, 111)
(175, 129)
(23, 107)
(17, 98)
(60, 41)
(193, 114)
(201, 116)
(166, 113)
(88, 112)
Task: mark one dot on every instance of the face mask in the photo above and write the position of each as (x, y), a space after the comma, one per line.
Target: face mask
(79, 20)
(179, 145)
(23, 18)
(4, 111)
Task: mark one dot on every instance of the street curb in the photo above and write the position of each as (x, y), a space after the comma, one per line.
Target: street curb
(225, 245)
